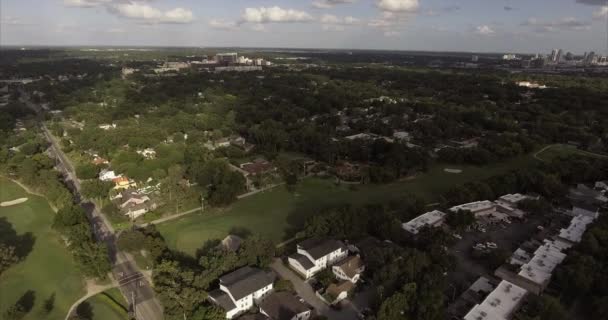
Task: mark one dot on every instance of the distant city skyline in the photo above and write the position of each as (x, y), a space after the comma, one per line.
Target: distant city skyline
(517, 26)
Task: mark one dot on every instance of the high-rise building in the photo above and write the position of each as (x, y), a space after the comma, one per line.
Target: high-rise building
(474, 58)
(556, 55)
(231, 57)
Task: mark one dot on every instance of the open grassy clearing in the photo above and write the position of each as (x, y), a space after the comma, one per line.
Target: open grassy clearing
(560, 150)
(48, 268)
(109, 305)
(277, 214)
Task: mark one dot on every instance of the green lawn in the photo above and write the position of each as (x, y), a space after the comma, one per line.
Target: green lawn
(277, 214)
(48, 269)
(109, 305)
(559, 150)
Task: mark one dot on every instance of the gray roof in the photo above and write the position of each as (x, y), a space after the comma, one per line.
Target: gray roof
(303, 260)
(222, 299)
(245, 281)
(283, 306)
(232, 243)
(318, 248)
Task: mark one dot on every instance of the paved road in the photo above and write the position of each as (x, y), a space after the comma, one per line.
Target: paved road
(139, 291)
(305, 291)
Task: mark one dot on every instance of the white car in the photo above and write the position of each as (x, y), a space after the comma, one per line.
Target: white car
(457, 236)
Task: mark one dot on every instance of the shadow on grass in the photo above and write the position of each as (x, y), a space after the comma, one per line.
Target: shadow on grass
(23, 244)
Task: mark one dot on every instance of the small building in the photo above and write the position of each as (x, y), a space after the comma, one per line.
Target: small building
(478, 208)
(135, 204)
(337, 292)
(513, 199)
(122, 182)
(500, 304)
(401, 135)
(147, 153)
(258, 167)
(231, 243)
(98, 161)
(285, 306)
(349, 269)
(106, 126)
(241, 289)
(107, 175)
(315, 255)
(433, 218)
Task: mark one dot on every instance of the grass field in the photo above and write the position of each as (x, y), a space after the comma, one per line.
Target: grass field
(48, 269)
(277, 213)
(559, 150)
(109, 305)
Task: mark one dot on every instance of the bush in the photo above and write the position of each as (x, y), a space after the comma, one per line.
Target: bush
(87, 171)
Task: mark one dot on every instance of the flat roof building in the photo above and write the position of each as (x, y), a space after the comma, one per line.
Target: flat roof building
(500, 304)
(478, 208)
(433, 218)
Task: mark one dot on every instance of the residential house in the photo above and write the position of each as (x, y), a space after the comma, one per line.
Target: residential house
(231, 243)
(586, 210)
(315, 255)
(258, 167)
(240, 290)
(106, 126)
(107, 175)
(285, 306)
(135, 204)
(97, 160)
(337, 292)
(122, 182)
(349, 269)
(402, 135)
(241, 143)
(147, 153)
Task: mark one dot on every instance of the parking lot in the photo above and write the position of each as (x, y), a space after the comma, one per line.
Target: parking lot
(507, 237)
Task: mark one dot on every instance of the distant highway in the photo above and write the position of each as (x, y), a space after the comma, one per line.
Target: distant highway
(133, 285)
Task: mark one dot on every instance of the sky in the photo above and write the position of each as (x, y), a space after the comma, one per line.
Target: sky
(520, 26)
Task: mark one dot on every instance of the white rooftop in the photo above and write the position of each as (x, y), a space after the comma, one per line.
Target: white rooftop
(574, 232)
(513, 198)
(428, 219)
(546, 258)
(474, 206)
(500, 304)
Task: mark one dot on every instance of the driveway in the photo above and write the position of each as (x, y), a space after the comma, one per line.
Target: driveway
(305, 291)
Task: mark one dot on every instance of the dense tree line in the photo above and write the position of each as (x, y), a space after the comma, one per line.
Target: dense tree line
(91, 256)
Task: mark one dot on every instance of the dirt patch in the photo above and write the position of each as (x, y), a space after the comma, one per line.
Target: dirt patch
(12, 202)
(448, 170)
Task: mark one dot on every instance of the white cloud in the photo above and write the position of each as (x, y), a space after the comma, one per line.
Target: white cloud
(563, 24)
(85, 3)
(391, 33)
(331, 19)
(274, 14)
(398, 5)
(484, 30)
(326, 4)
(223, 24)
(136, 9)
(601, 13)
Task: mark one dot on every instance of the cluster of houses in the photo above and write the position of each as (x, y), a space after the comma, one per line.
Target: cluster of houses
(247, 289)
(501, 210)
(530, 268)
(316, 255)
(250, 289)
(134, 202)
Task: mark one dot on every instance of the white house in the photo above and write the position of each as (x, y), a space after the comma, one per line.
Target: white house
(107, 175)
(135, 204)
(285, 306)
(240, 290)
(349, 269)
(315, 255)
(433, 218)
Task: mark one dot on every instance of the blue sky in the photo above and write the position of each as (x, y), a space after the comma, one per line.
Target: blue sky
(455, 25)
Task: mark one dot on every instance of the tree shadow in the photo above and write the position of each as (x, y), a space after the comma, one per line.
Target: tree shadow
(49, 303)
(206, 248)
(23, 244)
(27, 300)
(242, 232)
(84, 311)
